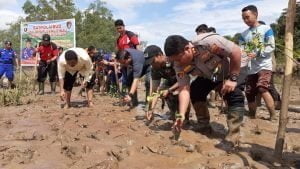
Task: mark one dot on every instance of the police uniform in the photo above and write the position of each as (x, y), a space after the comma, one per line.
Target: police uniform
(46, 66)
(208, 71)
(7, 57)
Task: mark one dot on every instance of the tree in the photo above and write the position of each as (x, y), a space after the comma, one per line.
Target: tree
(12, 34)
(279, 29)
(96, 27)
(49, 10)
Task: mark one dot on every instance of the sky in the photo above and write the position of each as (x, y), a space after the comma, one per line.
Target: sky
(155, 20)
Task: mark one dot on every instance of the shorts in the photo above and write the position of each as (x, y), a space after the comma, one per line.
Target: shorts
(262, 79)
(8, 70)
(70, 79)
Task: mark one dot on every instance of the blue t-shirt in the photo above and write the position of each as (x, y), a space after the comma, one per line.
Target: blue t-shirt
(7, 56)
(138, 63)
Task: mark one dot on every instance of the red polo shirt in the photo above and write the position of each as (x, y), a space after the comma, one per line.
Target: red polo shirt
(48, 52)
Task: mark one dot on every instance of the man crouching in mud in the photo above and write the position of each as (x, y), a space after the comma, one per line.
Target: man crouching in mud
(70, 63)
(214, 63)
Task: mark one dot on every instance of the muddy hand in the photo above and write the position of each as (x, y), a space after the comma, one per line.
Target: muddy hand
(127, 99)
(177, 125)
(62, 96)
(251, 55)
(228, 87)
(149, 115)
(176, 129)
(63, 99)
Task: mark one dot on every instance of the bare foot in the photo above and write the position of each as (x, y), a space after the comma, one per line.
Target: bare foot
(65, 106)
(90, 104)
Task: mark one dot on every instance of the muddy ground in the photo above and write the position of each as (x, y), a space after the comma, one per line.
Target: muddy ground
(41, 135)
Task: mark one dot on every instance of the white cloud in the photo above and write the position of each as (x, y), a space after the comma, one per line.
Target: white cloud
(10, 11)
(225, 16)
(188, 7)
(127, 8)
(4, 3)
(8, 16)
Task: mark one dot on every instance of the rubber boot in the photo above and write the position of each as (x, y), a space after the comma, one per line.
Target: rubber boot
(53, 87)
(41, 88)
(234, 121)
(203, 117)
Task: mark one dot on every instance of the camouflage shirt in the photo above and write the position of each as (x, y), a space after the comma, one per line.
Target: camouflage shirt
(167, 73)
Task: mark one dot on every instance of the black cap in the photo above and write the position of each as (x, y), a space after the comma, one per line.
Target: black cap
(46, 37)
(119, 22)
(150, 52)
(8, 42)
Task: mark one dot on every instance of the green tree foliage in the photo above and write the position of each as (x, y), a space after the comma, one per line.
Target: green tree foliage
(49, 10)
(279, 29)
(94, 26)
(12, 34)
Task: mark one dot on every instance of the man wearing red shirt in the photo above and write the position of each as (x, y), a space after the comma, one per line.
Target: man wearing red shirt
(127, 39)
(48, 54)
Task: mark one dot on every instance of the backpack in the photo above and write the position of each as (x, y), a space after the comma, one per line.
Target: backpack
(129, 35)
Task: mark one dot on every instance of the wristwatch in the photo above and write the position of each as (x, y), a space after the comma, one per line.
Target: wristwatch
(233, 77)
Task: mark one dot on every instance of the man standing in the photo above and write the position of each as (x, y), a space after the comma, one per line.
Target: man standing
(162, 69)
(48, 54)
(126, 39)
(258, 44)
(8, 59)
(206, 62)
(70, 63)
(134, 61)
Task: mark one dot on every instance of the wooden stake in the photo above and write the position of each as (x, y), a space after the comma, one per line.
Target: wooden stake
(289, 30)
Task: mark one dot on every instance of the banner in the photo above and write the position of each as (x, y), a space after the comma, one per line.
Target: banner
(62, 33)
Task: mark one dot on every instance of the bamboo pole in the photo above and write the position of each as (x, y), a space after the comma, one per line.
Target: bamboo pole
(289, 30)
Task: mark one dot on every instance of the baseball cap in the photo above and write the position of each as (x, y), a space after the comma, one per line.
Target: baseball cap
(46, 37)
(150, 52)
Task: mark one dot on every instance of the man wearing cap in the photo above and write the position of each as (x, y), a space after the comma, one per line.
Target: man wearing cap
(206, 63)
(70, 63)
(8, 59)
(48, 54)
(136, 66)
(162, 69)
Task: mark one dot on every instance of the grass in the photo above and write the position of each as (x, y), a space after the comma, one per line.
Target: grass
(19, 94)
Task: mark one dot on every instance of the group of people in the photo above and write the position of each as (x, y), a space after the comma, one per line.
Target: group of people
(183, 75)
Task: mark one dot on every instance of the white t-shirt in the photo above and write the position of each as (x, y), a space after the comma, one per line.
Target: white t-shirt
(84, 65)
